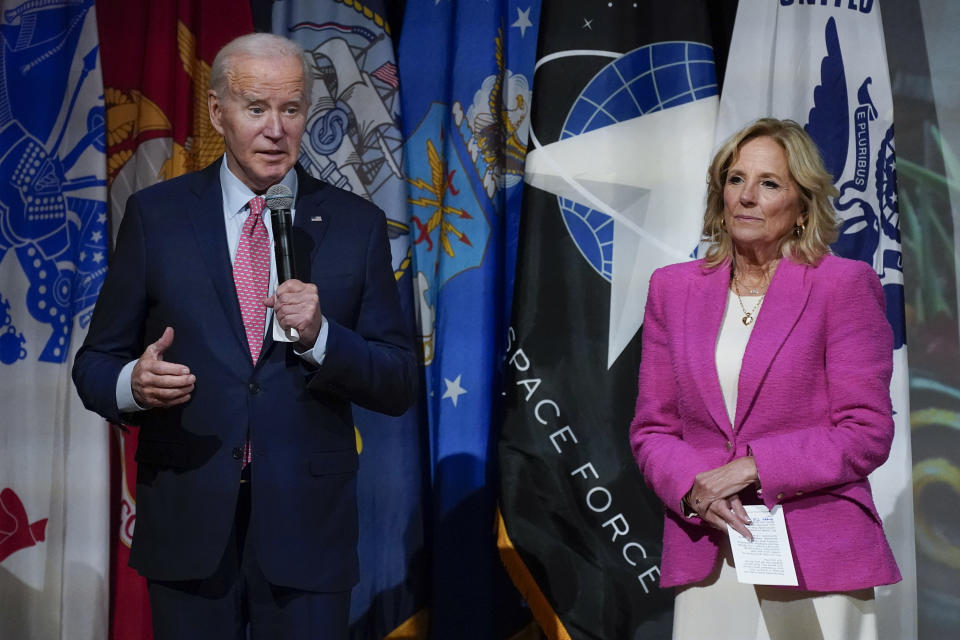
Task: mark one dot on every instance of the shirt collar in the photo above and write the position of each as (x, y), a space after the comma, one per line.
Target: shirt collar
(236, 195)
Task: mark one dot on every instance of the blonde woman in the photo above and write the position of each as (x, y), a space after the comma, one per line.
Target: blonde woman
(765, 379)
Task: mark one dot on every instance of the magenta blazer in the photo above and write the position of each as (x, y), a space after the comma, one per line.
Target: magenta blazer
(814, 410)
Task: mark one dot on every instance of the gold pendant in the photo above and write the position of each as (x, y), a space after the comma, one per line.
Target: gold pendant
(747, 320)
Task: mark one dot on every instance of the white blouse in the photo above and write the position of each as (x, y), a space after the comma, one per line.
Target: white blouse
(731, 345)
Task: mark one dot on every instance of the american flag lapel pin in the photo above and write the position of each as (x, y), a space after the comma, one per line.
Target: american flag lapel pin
(316, 219)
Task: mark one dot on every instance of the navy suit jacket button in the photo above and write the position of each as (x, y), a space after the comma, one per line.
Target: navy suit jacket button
(253, 388)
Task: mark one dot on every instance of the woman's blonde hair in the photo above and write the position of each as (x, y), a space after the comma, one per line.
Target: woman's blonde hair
(805, 245)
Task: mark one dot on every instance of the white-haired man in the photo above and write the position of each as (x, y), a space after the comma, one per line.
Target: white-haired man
(246, 505)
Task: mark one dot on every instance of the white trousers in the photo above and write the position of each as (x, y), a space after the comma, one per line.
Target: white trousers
(721, 608)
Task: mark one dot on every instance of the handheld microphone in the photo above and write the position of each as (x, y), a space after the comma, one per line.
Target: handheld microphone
(279, 199)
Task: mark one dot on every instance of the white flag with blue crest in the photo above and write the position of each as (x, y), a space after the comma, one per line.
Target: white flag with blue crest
(824, 65)
(53, 256)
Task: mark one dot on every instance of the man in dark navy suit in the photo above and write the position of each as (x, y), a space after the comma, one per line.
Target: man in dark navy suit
(246, 505)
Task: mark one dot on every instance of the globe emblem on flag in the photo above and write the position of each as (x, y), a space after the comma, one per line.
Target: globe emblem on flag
(652, 78)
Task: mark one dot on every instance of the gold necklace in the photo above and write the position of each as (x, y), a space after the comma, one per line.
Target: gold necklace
(750, 316)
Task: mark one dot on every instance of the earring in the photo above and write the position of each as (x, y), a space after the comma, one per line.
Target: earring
(798, 229)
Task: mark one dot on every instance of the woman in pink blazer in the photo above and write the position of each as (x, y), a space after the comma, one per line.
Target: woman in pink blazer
(765, 379)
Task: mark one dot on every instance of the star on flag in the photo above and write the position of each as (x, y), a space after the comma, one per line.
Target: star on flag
(454, 390)
(523, 21)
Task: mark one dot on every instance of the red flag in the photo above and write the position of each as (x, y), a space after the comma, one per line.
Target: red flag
(156, 61)
(129, 608)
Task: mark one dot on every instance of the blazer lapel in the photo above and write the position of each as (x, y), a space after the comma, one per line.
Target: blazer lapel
(705, 305)
(211, 235)
(781, 309)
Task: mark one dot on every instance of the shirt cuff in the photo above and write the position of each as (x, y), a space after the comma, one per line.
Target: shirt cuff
(125, 400)
(316, 355)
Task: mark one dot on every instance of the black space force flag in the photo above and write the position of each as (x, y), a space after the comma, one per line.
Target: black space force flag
(624, 106)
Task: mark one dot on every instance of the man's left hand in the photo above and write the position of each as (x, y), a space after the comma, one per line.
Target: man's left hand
(297, 306)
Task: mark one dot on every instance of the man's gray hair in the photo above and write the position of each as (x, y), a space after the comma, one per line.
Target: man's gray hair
(260, 46)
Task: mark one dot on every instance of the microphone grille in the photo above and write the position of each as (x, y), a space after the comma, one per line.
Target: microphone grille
(279, 197)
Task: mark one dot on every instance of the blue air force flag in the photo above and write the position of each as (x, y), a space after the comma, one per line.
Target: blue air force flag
(465, 72)
(352, 140)
(53, 256)
(826, 68)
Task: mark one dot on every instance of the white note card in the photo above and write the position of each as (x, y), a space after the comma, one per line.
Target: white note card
(766, 560)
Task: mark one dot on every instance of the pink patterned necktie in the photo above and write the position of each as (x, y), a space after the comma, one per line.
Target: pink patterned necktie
(251, 275)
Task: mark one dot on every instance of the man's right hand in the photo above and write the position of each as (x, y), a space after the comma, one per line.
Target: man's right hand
(158, 384)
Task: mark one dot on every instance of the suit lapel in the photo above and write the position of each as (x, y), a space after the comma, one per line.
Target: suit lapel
(705, 305)
(211, 234)
(312, 221)
(781, 309)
